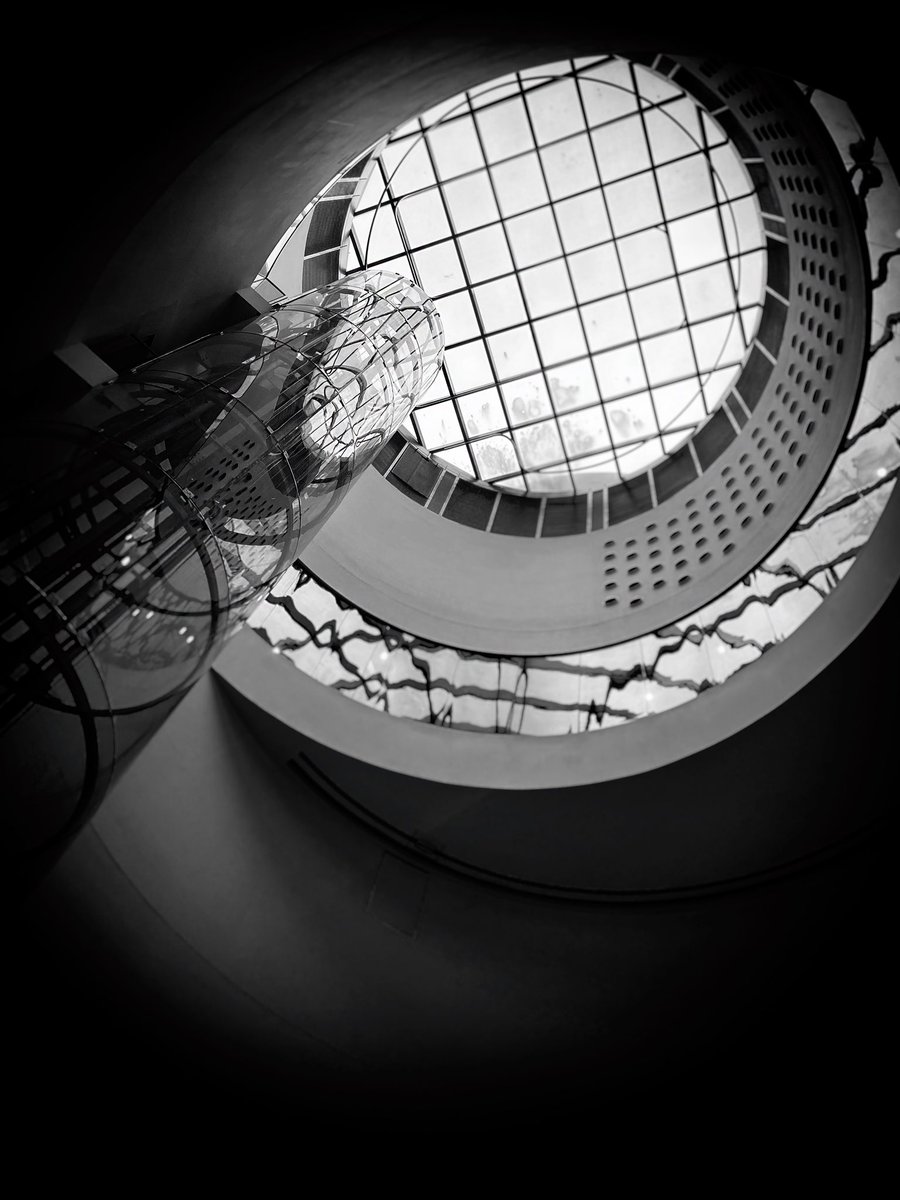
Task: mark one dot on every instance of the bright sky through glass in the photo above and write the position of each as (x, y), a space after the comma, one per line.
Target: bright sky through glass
(594, 247)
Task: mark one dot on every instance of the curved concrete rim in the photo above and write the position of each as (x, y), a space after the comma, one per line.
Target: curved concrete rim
(520, 761)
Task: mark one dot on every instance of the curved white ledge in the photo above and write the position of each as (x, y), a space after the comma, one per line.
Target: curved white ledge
(319, 712)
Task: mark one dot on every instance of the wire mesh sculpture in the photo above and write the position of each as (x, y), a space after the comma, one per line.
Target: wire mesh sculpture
(139, 529)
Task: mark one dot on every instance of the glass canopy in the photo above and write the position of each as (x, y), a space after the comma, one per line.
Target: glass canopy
(594, 247)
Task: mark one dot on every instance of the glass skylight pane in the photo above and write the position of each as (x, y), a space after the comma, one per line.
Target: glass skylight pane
(673, 131)
(573, 385)
(633, 204)
(751, 269)
(439, 269)
(505, 130)
(458, 317)
(743, 230)
(560, 337)
(495, 456)
(458, 459)
(619, 371)
(497, 89)
(519, 184)
(455, 148)
(527, 399)
(696, 240)
(547, 288)
(409, 127)
(652, 215)
(596, 273)
(438, 425)
(730, 171)
(374, 189)
(631, 418)
(621, 149)
(668, 356)
(513, 352)
(714, 133)
(482, 412)
(641, 456)
(608, 323)
(539, 445)
(500, 303)
(569, 166)
(672, 441)
(685, 186)
(447, 108)
(399, 265)
(750, 322)
(708, 292)
(596, 470)
(438, 389)
(471, 201)
(468, 367)
(554, 480)
(717, 384)
(423, 218)
(718, 341)
(486, 253)
(653, 86)
(584, 432)
(607, 92)
(533, 237)
(539, 75)
(657, 307)
(679, 403)
(583, 220)
(555, 111)
(378, 235)
(408, 166)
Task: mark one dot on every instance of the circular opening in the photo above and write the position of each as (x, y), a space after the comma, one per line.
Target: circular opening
(594, 246)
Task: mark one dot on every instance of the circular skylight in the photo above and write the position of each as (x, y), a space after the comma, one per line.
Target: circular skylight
(594, 247)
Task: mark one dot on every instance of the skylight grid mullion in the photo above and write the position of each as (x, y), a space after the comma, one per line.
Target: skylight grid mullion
(584, 407)
(354, 241)
(548, 81)
(615, 346)
(665, 223)
(619, 262)
(465, 289)
(465, 270)
(735, 282)
(631, 444)
(409, 254)
(523, 153)
(565, 260)
(518, 278)
(576, 74)
(393, 198)
(394, 202)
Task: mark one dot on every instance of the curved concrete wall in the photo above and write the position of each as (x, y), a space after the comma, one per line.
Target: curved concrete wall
(717, 789)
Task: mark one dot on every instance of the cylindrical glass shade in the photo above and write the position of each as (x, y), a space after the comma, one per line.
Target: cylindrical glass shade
(138, 530)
